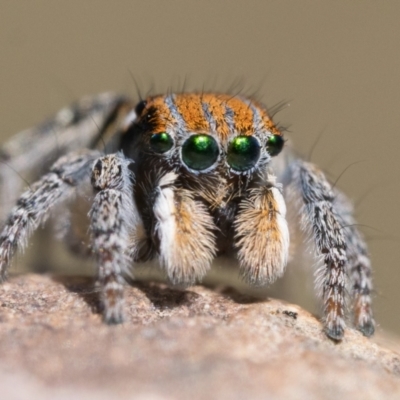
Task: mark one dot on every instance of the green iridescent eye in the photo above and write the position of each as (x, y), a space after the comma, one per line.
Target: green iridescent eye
(161, 142)
(275, 144)
(243, 153)
(200, 152)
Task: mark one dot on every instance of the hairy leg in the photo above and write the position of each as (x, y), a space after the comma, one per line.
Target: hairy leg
(113, 218)
(359, 266)
(34, 206)
(319, 219)
(29, 153)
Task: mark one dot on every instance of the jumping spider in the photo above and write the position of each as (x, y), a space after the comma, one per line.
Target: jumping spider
(184, 178)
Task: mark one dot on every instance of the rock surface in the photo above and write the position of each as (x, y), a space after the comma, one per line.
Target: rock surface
(198, 343)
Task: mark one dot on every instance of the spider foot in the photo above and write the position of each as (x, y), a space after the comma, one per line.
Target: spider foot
(367, 327)
(335, 331)
(113, 314)
(114, 318)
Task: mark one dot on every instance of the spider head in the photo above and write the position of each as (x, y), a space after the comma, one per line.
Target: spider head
(201, 135)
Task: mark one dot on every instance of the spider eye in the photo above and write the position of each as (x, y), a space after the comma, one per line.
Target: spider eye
(199, 152)
(140, 107)
(243, 153)
(275, 145)
(161, 142)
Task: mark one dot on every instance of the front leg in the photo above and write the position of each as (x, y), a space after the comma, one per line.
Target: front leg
(319, 219)
(113, 218)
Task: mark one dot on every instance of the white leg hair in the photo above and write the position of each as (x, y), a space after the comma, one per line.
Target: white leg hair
(262, 235)
(33, 207)
(113, 218)
(184, 229)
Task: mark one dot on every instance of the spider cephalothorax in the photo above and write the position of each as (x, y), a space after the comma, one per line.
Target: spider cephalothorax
(219, 147)
(184, 178)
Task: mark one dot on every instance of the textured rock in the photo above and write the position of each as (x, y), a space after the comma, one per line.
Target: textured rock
(198, 343)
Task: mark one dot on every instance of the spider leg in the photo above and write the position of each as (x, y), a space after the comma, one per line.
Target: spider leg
(184, 229)
(359, 266)
(319, 219)
(33, 207)
(113, 218)
(262, 236)
(27, 154)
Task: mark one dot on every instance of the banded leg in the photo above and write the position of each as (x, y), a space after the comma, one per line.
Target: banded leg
(319, 219)
(32, 151)
(262, 235)
(113, 218)
(184, 229)
(359, 266)
(33, 207)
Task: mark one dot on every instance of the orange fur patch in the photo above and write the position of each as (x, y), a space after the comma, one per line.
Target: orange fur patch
(189, 105)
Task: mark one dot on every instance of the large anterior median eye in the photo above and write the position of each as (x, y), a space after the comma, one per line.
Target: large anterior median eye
(275, 145)
(243, 153)
(161, 142)
(200, 152)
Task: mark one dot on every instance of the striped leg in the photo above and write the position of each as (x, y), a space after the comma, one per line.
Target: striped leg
(261, 235)
(319, 219)
(113, 218)
(360, 270)
(34, 206)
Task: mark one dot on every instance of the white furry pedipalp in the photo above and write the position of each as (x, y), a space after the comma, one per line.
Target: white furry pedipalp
(184, 228)
(262, 236)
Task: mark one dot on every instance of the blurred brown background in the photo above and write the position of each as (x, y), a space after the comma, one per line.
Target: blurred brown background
(336, 63)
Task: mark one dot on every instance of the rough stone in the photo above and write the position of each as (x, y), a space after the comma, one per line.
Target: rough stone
(197, 343)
